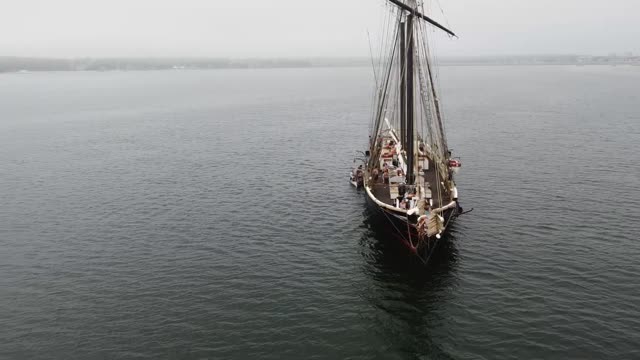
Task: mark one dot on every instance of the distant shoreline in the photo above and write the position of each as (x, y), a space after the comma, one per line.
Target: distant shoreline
(9, 64)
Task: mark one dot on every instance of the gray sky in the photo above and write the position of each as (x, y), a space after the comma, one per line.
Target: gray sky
(279, 28)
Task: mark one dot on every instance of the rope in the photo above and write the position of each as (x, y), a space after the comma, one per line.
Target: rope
(373, 64)
(413, 247)
(394, 225)
(408, 242)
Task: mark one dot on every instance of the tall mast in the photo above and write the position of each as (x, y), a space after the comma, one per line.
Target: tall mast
(403, 85)
(409, 109)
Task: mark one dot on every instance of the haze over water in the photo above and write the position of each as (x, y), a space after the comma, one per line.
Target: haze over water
(207, 214)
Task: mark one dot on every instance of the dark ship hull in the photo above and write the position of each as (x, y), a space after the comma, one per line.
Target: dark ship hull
(406, 232)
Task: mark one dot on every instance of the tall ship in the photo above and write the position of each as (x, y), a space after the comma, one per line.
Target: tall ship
(408, 171)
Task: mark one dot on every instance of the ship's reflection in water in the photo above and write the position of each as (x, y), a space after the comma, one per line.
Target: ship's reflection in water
(409, 297)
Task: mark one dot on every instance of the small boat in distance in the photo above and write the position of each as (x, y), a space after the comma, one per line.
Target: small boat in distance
(408, 170)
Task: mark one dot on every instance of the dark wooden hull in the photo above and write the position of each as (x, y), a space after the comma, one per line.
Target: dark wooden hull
(407, 231)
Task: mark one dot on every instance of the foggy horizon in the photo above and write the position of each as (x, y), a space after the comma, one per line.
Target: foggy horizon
(320, 57)
(293, 29)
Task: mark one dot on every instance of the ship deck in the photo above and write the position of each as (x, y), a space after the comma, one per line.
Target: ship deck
(382, 191)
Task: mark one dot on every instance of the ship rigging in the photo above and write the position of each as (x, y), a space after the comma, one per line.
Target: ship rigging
(408, 171)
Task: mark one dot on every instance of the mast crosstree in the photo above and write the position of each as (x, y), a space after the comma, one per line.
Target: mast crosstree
(414, 11)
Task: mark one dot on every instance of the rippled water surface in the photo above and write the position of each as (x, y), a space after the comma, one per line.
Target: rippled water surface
(207, 215)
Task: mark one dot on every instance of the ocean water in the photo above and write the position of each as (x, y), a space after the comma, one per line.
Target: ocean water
(207, 215)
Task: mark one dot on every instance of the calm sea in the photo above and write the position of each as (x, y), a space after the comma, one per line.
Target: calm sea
(207, 215)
